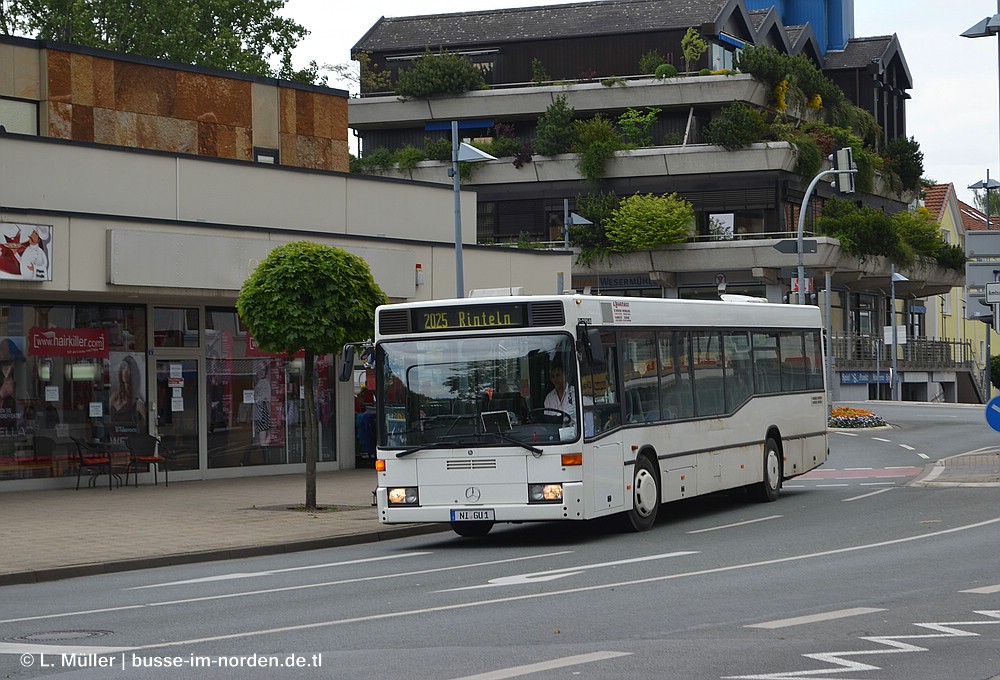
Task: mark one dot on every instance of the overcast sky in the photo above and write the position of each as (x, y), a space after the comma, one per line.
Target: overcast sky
(954, 113)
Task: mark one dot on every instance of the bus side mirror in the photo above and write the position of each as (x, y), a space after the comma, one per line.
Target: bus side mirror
(347, 365)
(589, 342)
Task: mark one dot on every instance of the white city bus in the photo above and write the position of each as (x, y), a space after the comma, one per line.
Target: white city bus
(665, 399)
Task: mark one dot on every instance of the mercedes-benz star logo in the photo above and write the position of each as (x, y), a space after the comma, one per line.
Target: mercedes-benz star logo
(472, 494)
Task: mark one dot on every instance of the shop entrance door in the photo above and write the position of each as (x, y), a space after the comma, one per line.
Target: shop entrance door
(178, 409)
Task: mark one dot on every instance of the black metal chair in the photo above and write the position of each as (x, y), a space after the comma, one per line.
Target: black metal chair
(145, 449)
(92, 458)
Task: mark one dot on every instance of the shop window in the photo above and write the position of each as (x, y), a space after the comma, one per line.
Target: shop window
(68, 371)
(256, 400)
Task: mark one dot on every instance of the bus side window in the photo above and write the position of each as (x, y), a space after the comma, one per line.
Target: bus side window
(600, 388)
(676, 395)
(639, 373)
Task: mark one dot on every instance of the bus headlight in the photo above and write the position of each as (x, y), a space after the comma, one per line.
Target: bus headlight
(545, 493)
(403, 495)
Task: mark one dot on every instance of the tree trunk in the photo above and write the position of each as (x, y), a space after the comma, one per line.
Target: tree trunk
(312, 443)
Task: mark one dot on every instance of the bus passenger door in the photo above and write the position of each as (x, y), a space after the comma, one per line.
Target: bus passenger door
(607, 479)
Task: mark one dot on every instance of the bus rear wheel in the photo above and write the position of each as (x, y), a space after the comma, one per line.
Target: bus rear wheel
(767, 490)
(645, 496)
(471, 529)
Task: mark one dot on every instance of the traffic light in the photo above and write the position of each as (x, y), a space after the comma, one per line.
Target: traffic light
(843, 160)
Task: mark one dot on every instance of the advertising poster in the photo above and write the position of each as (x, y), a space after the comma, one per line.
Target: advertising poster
(127, 404)
(25, 251)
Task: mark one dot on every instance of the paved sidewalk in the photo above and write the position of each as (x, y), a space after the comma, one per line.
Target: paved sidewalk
(63, 533)
(969, 469)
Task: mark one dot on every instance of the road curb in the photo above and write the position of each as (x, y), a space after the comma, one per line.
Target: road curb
(98, 568)
(931, 477)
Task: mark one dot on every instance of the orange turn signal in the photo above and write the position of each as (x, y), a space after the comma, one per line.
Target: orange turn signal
(380, 465)
(572, 459)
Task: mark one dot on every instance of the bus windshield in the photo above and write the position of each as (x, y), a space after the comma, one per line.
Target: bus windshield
(483, 390)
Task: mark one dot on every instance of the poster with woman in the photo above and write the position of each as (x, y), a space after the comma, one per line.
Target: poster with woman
(11, 365)
(127, 404)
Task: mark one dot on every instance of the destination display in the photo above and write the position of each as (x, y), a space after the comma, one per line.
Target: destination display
(469, 317)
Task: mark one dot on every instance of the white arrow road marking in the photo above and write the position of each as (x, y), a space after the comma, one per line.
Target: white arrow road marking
(397, 614)
(284, 589)
(529, 669)
(895, 644)
(542, 576)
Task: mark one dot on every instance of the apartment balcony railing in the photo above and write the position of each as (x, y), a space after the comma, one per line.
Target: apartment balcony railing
(871, 353)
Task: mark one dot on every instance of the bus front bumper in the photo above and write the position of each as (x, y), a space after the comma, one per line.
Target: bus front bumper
(571, 507)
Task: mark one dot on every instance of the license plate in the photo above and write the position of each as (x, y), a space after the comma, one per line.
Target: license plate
(485, 515)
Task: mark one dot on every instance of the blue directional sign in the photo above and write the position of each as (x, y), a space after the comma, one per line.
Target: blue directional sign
(993, 413)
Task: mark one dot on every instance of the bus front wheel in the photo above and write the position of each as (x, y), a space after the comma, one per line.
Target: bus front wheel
(471, 529)
(768, 488)
(645, 496)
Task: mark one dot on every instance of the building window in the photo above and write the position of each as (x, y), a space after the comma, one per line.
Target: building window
(19, 116)
(265, 155)
(175, 327)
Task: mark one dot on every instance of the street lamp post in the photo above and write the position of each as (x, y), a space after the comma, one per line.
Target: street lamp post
(895, 340)
(986, 185)
(470, 154)
(568, 219)
(988, 28)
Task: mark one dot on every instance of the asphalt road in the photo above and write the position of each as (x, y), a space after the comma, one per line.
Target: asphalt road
(850, 574)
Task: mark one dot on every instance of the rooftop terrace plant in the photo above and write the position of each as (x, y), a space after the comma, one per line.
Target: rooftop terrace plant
(439, 73)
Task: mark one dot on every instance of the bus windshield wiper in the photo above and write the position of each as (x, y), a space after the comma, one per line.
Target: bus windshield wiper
(535, 451)
(440, 441)
(407, 452)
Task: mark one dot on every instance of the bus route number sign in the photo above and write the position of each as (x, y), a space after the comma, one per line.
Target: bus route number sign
(469, 317)
(485, 515)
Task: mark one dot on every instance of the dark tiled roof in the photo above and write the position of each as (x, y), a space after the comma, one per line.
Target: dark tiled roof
(757, 17)
(793, 33)
(859, 52)
(540, 22)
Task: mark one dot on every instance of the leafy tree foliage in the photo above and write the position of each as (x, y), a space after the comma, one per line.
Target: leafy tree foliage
(313, 297)
(650, 60)
(919, 231)
(863, 232)
(597, 141)
(645, 221)
(237, 35)
(638, 125)
(593, 242)
(666, 71)
(693, 46)
(992, 209)
(554, 133)
(904, 158)
(441, 73)
(902, 238)
(736, 127)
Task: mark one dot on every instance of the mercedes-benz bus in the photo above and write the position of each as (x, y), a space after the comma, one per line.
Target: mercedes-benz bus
(661, 400)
